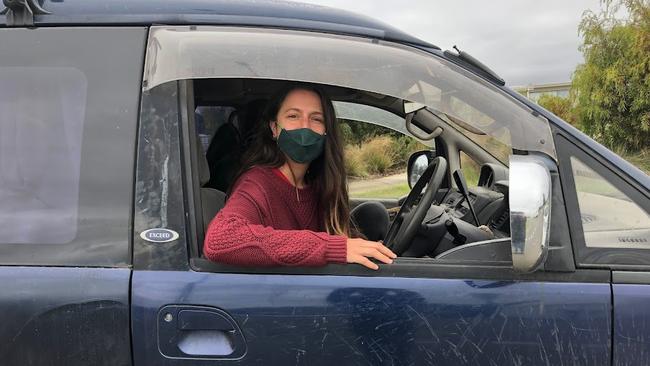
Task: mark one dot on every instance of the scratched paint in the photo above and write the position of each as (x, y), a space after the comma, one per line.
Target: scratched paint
(325, 320)
(631, 325)
(64, 316)
(158, 193)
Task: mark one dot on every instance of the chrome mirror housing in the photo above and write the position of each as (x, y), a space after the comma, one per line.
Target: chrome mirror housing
(530, 211)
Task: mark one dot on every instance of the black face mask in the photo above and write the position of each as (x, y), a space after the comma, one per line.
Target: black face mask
(301, 145)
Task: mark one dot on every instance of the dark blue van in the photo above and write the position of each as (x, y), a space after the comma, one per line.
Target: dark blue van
(122, 122)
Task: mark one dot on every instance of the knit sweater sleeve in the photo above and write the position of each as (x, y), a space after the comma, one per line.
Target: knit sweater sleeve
(237, 236)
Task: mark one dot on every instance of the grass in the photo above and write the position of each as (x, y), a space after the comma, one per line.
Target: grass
(392, 191)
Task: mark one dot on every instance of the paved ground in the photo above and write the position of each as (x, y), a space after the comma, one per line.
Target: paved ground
(363, 185)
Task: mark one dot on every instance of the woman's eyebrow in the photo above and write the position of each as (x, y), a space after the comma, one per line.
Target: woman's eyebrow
(293, 109)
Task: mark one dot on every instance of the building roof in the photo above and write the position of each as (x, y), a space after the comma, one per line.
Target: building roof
(544, 87)
(260, 13)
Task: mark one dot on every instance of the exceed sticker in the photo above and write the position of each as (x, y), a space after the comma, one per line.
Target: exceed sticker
(159, 235)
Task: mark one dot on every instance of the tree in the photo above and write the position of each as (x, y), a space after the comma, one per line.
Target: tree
(611, 90)
(355, 132)
(561, 107)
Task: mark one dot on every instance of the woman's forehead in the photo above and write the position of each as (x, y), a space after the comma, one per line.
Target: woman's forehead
(302, 99)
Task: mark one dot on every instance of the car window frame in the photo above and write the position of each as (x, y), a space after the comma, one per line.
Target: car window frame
(402, 267)
(592, 257)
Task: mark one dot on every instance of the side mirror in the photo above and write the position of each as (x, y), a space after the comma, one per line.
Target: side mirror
(417, 164)
(530, 211)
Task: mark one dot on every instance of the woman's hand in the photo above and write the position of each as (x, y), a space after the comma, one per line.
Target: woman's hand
(359, 250)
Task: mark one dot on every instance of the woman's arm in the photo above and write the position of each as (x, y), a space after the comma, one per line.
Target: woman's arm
(236, 236)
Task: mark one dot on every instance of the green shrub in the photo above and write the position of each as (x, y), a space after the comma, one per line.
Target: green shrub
(354, 163)
(359, 132)
(346, 133)
(378, 154)
(611, 90)
(559, 106)
(403, 147)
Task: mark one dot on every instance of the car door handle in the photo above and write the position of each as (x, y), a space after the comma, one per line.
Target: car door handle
(203, 320)
(199, 332)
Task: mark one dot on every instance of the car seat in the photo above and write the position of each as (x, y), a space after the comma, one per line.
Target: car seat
(212, 200)
(223, 156)
(229, 143)
(371, 218)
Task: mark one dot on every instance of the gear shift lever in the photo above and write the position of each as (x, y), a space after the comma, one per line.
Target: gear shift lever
(459, 178)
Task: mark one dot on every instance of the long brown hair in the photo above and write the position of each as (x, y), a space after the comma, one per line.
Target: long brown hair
(326, 174)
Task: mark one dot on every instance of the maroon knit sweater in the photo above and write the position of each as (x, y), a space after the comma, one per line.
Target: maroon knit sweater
(264, 224)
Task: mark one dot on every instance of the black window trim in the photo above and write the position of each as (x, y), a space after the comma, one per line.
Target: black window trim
(191, 182)
(414, 268)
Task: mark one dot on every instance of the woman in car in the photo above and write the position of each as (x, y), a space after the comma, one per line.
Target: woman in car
(289, 206)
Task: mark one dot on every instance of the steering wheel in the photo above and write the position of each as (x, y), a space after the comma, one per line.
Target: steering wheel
(410, 215)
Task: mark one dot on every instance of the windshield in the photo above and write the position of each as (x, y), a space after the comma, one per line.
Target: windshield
(384, 68)
(376, 116)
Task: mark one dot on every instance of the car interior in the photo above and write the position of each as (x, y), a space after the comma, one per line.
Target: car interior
(450, 223)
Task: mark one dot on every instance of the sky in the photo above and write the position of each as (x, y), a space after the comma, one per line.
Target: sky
(524, 41)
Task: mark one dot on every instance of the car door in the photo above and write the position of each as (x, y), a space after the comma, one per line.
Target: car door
(611, 228)
(68, 115)
(457, 311)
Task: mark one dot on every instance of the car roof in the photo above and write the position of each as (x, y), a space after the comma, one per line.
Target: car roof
(259, 13)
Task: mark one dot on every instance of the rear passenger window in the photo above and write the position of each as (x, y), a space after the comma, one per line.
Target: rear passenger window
(68, 120)
(41, 127)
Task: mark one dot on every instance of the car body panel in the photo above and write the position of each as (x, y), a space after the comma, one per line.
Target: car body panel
(631, 291)
(65, 316)
(321, 320)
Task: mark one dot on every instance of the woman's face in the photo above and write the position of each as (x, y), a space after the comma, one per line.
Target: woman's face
(300, 109)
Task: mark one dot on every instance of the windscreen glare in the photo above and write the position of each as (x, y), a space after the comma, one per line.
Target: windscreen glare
(386, 68)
